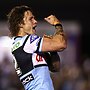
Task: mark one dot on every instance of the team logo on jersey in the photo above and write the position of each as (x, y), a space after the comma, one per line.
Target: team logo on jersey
(33, 38)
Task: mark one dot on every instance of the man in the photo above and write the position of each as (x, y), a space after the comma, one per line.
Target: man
(29, 50)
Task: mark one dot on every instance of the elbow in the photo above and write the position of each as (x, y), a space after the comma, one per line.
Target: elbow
(62, 45)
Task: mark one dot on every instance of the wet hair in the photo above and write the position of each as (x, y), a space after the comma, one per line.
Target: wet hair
(15, 18)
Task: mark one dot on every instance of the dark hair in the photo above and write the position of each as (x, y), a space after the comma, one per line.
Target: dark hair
(15, 17)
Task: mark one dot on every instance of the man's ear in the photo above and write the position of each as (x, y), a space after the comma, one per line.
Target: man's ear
(21, 25)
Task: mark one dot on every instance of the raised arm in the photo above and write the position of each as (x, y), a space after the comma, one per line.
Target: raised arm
(56, 42)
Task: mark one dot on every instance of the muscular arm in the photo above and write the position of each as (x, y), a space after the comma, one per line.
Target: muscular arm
(56, 42)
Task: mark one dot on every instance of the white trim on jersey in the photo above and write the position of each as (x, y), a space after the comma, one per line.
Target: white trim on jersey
(40, 48)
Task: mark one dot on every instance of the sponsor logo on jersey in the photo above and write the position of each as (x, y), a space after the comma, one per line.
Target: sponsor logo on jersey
(27, 79)
(38, 59)
(18, 71)
(16, 46)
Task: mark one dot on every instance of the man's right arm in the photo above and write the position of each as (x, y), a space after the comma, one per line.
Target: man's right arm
(56, 42)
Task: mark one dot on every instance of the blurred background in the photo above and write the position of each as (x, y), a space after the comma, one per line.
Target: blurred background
(75, 60)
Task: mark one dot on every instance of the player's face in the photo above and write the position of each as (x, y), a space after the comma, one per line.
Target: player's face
(29, 23)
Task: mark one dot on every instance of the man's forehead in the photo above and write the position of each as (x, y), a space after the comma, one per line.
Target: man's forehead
(28, 13)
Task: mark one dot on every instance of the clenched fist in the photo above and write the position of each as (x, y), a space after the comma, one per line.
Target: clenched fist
(52, 20)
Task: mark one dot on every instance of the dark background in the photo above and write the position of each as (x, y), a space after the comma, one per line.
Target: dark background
(64, 9)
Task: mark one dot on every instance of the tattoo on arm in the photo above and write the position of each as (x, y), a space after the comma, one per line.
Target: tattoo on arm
(59, 29)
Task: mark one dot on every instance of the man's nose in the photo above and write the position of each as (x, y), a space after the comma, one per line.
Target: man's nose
(35, 21)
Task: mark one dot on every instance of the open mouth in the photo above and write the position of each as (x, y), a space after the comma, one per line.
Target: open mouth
(34, 27)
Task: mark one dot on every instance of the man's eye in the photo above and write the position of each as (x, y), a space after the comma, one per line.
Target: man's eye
(30, 18)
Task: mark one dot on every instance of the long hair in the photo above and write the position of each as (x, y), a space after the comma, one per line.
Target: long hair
(15, 18)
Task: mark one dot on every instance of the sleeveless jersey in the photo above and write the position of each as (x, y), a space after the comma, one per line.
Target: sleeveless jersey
(30, 63)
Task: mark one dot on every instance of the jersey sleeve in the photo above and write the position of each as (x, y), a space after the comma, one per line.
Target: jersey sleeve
(33, 44)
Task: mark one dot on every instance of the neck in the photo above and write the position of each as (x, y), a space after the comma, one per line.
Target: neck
(21, 33)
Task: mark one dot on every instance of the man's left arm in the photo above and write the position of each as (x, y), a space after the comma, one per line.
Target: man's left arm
(54, 62)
